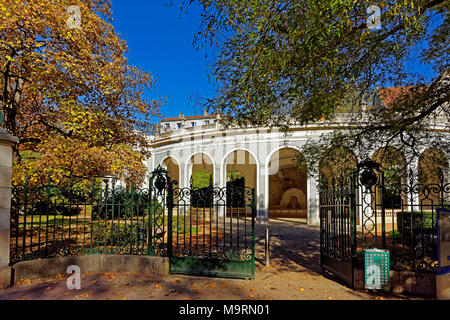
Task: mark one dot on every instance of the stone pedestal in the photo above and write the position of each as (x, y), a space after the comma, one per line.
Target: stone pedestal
(6, 143)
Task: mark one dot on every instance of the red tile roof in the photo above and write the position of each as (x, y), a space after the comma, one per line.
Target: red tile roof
(390, 94)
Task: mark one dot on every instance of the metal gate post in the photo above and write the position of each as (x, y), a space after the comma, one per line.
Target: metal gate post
(383, 210)
(150, 217)
(170, 206)
(353, 239)
(253, 231)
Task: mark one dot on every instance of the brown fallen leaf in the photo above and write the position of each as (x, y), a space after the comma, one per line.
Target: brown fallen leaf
(23, 281)
(251, 296)
(253, 289)
(110, 275)
(82, 295)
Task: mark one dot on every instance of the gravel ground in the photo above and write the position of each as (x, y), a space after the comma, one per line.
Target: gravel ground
(294, 274)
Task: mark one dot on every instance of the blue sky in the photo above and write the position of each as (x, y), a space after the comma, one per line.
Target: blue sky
(159, 39)
(160, 42)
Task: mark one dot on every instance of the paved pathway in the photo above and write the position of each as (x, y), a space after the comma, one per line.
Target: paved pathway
(294, 273)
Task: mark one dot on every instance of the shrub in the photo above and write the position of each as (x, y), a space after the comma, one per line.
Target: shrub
(181, 225)
(45, 208)
(123, 205)
(412, 225)
(419, 220)
(118, 234)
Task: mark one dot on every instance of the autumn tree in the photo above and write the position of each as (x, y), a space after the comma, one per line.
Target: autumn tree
(284, 63)
(68, 93)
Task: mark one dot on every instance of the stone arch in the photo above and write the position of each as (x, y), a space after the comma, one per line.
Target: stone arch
(244, 161)
(287, 181)
(173, 168)
(432, 172)
(390, 158)
(172, 165)
(432, 163)
(394, 166)
(336, 162)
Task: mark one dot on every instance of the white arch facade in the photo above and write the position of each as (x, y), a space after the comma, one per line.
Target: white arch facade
(218, 143)
(189, 165)
(223, 166)
(161, 163)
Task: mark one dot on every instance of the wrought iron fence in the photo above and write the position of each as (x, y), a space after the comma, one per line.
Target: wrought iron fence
(398, 217)
(208, 225)
(402, 218)
(98, 216)
(85, 216)
(214, 232)
(337, 226)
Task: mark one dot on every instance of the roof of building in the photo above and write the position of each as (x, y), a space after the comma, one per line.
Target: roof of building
(209, 116)
(390, 94)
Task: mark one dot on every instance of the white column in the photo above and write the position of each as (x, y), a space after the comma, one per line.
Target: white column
(217, 177)
(262, 194)
(312, 184)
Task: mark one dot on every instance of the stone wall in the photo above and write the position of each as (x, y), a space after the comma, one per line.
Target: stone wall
(6, 143)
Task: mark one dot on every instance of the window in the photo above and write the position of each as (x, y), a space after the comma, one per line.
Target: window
(179, 125)
(206, 122)
(168, 125)
(193, 124)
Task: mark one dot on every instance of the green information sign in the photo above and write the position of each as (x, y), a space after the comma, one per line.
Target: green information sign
(376, 269)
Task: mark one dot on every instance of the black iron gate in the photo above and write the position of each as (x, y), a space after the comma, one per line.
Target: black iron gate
(210, 231)
(338, 227)
(366, 210)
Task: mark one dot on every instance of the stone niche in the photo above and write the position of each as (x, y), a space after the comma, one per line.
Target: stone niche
(293, 199)
(287, 195)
